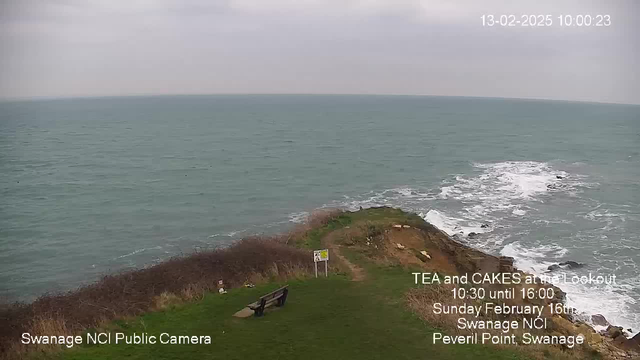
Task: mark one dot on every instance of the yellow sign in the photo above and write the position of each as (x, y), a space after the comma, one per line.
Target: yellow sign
(321, 255)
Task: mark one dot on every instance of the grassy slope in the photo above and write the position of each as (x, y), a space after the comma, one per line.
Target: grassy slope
(332, 317)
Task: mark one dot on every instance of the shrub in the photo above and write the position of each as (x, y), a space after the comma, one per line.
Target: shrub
(134, 292)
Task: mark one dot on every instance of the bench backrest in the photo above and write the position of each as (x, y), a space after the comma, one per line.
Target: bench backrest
(273, 294)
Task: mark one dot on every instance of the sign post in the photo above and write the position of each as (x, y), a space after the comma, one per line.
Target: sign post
(321, 255)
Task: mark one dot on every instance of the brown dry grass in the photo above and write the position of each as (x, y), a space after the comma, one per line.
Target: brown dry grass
(132, 293)
(421, 300)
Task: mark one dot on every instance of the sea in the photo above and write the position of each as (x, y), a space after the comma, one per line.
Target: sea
(94, 186)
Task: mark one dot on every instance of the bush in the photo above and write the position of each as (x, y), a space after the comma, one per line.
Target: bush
(134, 292)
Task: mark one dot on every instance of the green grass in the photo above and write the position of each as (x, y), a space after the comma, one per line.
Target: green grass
(351, 320)
(384, 215)
(313, 240)
(323, 318)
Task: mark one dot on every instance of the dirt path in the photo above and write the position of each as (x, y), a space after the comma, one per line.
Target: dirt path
(357, 272)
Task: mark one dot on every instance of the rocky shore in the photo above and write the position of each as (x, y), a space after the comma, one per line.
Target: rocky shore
(382, 238)
(418, 243)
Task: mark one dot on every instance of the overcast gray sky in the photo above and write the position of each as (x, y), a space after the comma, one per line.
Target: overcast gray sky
(61, 48)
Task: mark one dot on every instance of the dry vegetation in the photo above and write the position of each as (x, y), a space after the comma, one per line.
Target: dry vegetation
(421, 301)
(131, 293)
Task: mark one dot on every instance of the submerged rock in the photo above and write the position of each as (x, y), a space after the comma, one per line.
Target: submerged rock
(571, 264)
(472, 234)
(553, 267)
(484, 226)
(565, 265)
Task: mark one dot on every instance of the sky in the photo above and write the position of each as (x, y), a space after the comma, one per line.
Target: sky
(71, 48)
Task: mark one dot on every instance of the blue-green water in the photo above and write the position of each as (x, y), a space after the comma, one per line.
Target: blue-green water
(91, 186)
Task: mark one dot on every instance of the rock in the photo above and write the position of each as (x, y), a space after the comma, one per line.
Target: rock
(614, 331)
(572, 264)
(636, 339)
(553, 267)
(397, 226)
(506, 264)
(599, 319)
(565, 265)
(400, 246)
(472, 235)
(559, 177)
(484, 226)
(561, 297)
(626, 344)
(421, 255)
(406, 226)
(423, 252)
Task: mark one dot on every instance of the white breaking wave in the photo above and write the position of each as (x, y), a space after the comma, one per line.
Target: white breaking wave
(512, 189)
(460, 229)
(519, 212)
(504, 186)
(403, 197)
(228, 234)
(452, 225)
(299, 217)
(610, 219)
(611, 300)
(137, 252)
(500, 203)
(536, 259)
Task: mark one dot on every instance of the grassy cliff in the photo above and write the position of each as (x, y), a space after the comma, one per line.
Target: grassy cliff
(368, 308)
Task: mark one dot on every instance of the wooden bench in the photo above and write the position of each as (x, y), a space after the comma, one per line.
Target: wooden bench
(277, 297)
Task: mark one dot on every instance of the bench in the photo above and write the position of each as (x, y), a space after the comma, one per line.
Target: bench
(277, 297)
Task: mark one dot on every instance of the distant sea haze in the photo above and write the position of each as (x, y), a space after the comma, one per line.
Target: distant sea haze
(93, 186)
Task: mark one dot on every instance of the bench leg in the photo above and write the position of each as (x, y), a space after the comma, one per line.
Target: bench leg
(283, 298)
(260, 310)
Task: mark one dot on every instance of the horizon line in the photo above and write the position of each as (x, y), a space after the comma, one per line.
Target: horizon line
(81, 97)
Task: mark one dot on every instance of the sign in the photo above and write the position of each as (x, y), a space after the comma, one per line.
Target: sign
(321, 255)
